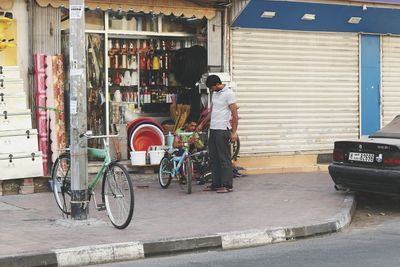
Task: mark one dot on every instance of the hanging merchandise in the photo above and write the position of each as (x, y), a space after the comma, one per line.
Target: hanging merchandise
(127, 78)
(142, 62)
(41, 113)
(156, 63)
(123, 61)
(134, 78)
(132, 63)
(57, 126)
(190, 64)
(96, 83)
(117, 96)
(117, 79)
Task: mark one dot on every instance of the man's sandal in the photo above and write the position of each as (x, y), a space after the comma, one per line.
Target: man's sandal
(224, 190)
(210, 188)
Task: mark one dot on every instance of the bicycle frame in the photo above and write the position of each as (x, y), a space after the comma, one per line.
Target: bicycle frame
(103, 153)
(178, 161)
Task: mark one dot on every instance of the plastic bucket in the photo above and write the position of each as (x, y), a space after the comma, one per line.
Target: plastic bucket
(156, 156)
(144, 136)
(138, 157)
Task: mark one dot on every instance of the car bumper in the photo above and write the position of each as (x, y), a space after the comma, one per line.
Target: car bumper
(366, 179)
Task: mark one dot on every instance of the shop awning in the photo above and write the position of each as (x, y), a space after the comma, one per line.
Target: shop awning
(176, 7)
(6, 4)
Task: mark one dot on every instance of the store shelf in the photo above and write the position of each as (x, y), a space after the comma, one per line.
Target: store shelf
(145, 34)
(121, 69)
(155, 107)
(123, 102)
(124, 87)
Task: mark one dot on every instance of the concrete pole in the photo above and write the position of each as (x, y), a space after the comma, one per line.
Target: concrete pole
(78, 120)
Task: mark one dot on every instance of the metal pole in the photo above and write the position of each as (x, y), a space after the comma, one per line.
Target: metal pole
(78, 120)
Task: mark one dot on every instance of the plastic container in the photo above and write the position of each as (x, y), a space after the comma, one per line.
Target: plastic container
(156, 156)
(146, 135)
(169, 140)
(138, 158)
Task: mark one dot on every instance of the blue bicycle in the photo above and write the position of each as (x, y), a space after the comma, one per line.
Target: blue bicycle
(170, 167)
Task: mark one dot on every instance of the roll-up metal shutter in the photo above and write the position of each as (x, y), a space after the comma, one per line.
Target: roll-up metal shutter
(390, 78)
(46, 30)
(296, 91)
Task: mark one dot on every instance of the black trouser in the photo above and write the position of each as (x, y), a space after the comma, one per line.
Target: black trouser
(220, 158)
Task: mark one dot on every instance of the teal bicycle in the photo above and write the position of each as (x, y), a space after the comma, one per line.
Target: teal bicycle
(117, 196)
(173, 166)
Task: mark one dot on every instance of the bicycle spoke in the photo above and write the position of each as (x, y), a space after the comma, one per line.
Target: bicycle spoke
(118, 195)
(165, 172)
(62, 182)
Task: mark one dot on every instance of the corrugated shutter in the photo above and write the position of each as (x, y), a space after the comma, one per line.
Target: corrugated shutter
(297, 91)
(237, 7)
(46, 30)
(390, 78)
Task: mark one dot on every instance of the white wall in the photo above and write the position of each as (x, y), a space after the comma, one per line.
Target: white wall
(21, 15)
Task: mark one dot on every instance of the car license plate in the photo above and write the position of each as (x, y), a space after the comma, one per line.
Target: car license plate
(364, 157)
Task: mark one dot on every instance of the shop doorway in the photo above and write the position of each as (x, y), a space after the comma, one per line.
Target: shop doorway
(370, 84)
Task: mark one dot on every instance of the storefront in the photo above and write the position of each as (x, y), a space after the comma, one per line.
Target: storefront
(131, 47)
(308, 74)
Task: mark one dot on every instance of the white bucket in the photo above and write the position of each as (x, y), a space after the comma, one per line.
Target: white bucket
(138, 157)
(156, 156)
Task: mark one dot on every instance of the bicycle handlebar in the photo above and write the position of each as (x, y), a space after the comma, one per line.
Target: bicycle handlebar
(189, 133)
(185, 134)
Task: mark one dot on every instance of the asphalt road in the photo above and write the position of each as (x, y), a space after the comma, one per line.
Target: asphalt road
(371, 240)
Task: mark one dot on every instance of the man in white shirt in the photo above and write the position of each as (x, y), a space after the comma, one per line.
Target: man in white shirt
(223, 127)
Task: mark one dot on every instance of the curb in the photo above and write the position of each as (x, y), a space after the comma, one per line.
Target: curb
(97, 254)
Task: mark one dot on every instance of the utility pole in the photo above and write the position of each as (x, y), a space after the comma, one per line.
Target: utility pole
(77, 58)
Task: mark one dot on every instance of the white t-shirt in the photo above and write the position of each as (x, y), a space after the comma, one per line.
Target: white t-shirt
(221, 113)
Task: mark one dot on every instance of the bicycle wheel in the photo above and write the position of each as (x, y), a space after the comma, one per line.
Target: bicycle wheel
(207, 177)
(235, 147)
(61, 177)
(188, 173)
(165, 172)
(117, 194)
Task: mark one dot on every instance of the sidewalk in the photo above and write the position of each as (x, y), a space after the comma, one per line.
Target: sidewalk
(263, 209)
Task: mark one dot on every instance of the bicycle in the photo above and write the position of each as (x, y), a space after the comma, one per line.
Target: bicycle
(202, 166)
(117, 188)
(171, 164)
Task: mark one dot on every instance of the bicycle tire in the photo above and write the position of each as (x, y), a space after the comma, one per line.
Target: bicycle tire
(165, 172)
(61, 177)
(188, 173)
(117, 186)
(235, 148)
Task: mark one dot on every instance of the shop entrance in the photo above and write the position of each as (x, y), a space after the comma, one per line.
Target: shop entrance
(370, 84)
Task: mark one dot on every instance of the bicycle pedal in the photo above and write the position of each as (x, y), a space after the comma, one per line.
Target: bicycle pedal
(101, 206)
